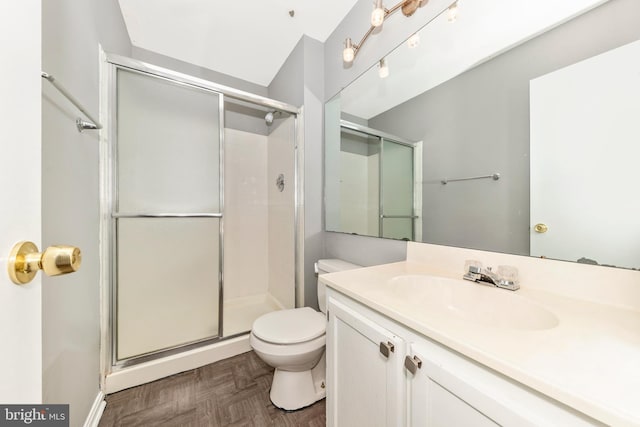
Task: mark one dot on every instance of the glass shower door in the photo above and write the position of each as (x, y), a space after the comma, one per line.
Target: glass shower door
(397, 179)
(166, 215)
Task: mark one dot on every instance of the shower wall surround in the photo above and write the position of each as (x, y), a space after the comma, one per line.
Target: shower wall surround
(246, 214)
(259, 253)
(281, 212)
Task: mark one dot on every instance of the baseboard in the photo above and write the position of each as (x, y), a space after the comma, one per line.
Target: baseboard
(150, 371)
(93, 418)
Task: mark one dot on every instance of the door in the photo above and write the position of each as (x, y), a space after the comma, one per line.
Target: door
(438, 399)
(582, 115)
(396, 191)
(167, 212)
(444, 390)
(20, 313)
(363, 371)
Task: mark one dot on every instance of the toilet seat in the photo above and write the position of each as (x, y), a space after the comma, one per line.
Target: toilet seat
(292, 326)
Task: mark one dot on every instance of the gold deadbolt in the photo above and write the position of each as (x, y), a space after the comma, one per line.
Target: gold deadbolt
(540, 228)
(25, 260)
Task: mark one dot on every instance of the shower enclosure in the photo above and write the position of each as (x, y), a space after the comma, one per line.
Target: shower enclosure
(379, 185)
(201, 207)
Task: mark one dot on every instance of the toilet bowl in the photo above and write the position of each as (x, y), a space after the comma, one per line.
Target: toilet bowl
(293, 342)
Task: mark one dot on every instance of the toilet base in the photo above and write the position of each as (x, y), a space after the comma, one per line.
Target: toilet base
(297, 390)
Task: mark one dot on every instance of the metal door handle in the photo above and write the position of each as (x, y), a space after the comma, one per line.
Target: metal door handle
(412, 364)
(25, 260)
(386, 348)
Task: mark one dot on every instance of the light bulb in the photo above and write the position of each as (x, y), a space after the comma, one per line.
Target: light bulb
(452, 12)
(349, 53)
(383, 69)
(377, 16)
(413, 41)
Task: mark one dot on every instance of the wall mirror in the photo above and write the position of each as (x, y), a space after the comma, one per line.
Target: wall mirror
(521, 131)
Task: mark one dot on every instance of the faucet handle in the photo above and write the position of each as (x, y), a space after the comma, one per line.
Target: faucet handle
(472, 270)
(508, 273)
(476, 269)
(472, 266)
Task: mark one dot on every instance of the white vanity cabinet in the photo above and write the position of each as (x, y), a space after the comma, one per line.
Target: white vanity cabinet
(421, 383)
(364, 363)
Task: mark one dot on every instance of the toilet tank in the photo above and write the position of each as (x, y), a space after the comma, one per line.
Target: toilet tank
(330, 266)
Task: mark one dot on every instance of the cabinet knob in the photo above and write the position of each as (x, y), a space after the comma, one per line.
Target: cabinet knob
(412, 364)
(25, 260)
(386, 348)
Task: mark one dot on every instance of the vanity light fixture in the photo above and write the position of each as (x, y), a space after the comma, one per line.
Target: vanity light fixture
(379, 14)
(383, 68)
(413, 41)
(452, 13)
(349, 51)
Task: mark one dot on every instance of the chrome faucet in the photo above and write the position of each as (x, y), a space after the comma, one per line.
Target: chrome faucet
(476, 273)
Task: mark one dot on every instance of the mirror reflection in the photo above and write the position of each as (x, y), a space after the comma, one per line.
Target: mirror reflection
(379, 184)
(540, 105)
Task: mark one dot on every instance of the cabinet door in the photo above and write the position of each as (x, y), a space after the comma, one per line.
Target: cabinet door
(364, 371)
(448, 390)
(441, 395)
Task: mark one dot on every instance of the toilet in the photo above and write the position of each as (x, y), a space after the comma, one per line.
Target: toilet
(293, 342)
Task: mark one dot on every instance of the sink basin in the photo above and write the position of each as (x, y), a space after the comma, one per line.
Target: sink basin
(474, 302)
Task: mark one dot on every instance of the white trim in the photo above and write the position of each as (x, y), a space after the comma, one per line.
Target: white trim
(93, 418)
(417, 191)
(175, 76)
(299, 209)
(104, 245)
(155, 369)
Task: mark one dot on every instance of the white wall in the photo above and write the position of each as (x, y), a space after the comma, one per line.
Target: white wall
(246, 225)
(281, 212)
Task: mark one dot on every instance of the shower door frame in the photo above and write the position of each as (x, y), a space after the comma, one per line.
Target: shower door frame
(416, 155)
(108, 162)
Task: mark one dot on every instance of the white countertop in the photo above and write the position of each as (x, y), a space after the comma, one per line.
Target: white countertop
(590, 361)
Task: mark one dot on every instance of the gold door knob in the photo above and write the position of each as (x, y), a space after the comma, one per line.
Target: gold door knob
(540, 228)
(25, 260)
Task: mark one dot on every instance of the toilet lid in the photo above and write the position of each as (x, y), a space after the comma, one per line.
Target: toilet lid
(290, 326)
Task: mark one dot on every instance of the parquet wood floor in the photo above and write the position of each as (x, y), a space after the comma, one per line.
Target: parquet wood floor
(232, 392)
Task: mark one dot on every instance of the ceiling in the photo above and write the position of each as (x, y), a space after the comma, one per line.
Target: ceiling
(248, 39)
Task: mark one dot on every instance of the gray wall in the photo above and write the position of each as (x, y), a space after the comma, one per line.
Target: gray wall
(71, 32)
(196, 71)
(491, 102)
(313, 166)
(300, 82)
(478, 123)
(237, 115)
(288, 85)
(359, 249)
